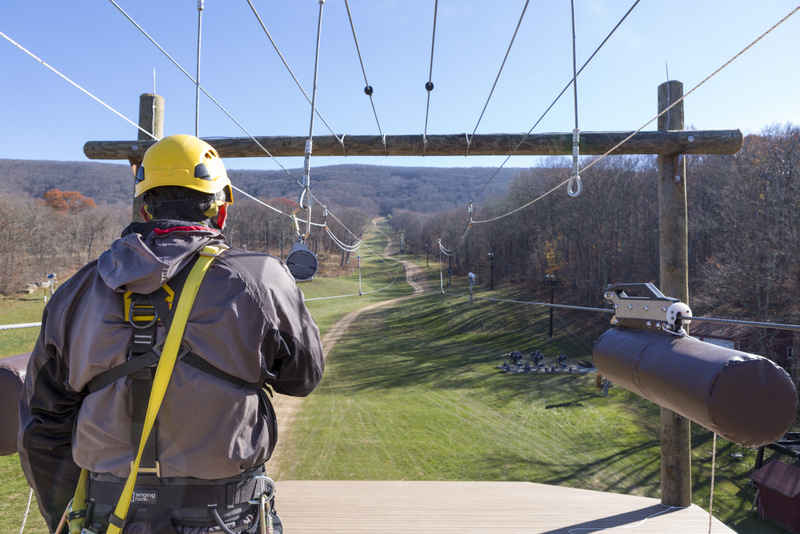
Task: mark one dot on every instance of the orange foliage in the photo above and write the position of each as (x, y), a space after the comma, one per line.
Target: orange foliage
(67, 201)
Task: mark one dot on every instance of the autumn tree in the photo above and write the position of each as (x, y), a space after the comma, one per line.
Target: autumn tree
(70, 202)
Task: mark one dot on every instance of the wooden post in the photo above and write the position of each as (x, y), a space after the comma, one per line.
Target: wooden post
(676, 474)
(151, 119)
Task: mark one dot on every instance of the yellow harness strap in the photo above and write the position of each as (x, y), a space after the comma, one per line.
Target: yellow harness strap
(166, 364)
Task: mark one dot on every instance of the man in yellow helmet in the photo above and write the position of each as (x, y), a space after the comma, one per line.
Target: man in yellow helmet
(102, 333)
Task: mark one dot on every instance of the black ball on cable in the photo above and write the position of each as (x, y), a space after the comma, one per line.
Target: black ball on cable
(368, 90)
(429, 86)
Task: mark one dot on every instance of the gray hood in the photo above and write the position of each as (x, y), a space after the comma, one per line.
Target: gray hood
(150, 254)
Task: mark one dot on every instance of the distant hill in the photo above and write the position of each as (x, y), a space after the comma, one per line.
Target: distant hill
(376, 189)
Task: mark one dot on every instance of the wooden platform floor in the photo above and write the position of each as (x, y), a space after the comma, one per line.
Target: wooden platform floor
(307, 507)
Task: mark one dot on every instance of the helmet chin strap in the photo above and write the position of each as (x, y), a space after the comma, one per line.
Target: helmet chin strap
(144, 214)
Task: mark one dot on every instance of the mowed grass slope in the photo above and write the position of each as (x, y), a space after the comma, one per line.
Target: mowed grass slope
(413, 392)
(14, 489)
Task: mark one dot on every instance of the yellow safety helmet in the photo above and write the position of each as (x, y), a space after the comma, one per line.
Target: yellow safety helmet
(184, 161)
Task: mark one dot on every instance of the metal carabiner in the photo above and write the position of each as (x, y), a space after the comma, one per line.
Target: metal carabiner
(264, 506)
(296, 223)
(265, 516)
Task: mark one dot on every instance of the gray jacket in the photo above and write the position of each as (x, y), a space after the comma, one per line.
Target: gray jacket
(248, 319)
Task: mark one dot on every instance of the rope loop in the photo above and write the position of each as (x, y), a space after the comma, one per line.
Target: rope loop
(574, 181)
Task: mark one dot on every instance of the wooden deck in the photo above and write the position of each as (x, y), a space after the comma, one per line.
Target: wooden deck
(308, 507)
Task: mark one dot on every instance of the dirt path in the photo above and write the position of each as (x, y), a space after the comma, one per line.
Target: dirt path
(287, 408)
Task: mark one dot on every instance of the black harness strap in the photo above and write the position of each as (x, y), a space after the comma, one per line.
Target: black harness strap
(142, 348)
(144, 354)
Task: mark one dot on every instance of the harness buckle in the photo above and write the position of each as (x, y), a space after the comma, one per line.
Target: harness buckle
(183, 350)
(149, 314)
(149, 470)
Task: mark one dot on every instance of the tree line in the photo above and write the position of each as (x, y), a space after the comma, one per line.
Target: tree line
(62, 230)
(56, 233)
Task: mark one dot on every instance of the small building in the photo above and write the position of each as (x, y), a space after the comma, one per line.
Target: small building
(778, 497)
(776, 345)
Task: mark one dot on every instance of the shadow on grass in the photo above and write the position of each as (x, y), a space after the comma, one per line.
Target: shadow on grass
(573, 403)
(435, 341)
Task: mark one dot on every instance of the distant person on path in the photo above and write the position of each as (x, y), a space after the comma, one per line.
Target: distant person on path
(87, 389)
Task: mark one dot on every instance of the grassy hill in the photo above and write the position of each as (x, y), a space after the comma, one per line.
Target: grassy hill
(375, 189)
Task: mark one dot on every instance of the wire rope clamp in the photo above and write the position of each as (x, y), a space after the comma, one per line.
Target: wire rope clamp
(644, 307)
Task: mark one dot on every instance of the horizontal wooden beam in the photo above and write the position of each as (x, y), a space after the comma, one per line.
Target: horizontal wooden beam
(544, 144)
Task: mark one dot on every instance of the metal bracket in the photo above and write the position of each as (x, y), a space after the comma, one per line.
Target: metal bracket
(643, 306)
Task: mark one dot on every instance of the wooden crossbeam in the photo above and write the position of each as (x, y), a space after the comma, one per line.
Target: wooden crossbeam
(543, 144)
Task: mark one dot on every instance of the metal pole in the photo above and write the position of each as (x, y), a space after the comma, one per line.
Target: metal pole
(552, 300)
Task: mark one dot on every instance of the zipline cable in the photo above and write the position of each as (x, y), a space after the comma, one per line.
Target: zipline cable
(12, 41)
(184, 71)
(449, 252)
(27, 512)
(469, 139)
(9, 39)
(367, 87)
(693, 89)
(200, 6)
(296, 81)
(304, 204)
(429, 84)
(575, 179)
(397, 271)
(713, 477)
(564, 90)
(739, 322)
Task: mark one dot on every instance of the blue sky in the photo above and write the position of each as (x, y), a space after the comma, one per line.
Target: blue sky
(92, 43)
